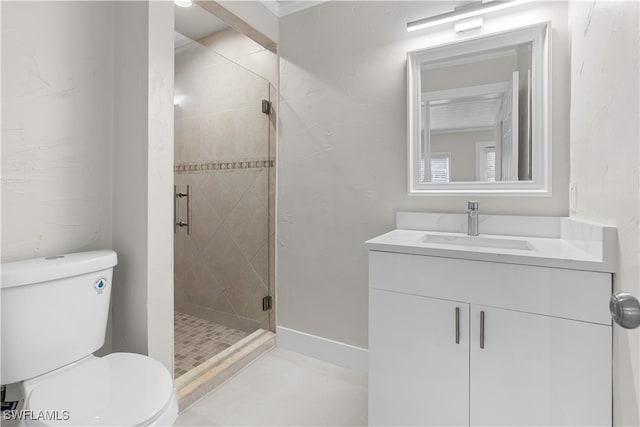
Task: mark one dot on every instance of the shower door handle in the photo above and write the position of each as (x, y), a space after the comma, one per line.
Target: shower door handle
(176, 205)
(175, 209)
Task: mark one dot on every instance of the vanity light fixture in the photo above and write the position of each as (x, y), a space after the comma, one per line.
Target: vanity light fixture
(468, 24)
(183, 3)
(468, 11)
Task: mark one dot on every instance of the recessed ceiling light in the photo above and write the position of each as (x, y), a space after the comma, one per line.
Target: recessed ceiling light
(183, 3)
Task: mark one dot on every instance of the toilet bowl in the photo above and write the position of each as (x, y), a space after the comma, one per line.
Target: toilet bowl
(121, 389)
(54, 314)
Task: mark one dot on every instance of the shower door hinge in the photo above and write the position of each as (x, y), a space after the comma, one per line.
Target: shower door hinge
(266, 106)
(267, 303)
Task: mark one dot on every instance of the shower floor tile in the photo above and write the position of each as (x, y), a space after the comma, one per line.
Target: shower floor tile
(197, 340)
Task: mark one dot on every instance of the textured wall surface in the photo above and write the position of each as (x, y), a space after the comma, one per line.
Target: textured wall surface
(87, 159)
(130, 178)
(143, 180)
(160, 178)
(342, 149)
(462, 147)
(605, 158)
(222, 152)
(57, 127)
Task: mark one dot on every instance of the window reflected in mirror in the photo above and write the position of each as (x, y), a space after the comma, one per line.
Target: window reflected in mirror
(476, 116)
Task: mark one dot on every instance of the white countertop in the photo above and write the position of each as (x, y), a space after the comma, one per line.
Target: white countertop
(576, 245)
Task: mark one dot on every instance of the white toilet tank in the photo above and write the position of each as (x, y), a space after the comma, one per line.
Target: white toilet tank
(54, 311)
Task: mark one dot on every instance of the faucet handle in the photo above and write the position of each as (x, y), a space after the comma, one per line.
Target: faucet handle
(472, 205)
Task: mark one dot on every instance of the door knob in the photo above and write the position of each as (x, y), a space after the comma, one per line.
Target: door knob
(625, 310)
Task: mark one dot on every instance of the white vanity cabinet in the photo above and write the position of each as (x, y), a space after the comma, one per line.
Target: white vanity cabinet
(418, 374)
(542, 355)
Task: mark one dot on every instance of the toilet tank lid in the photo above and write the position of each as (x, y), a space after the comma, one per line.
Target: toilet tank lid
(38, 270)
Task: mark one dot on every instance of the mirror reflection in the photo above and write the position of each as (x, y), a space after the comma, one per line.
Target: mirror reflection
(475, 118)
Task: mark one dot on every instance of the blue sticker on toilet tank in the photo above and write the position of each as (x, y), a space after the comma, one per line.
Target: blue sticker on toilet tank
(100, 284)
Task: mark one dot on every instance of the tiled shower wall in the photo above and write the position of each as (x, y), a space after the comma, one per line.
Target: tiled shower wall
(225, 152)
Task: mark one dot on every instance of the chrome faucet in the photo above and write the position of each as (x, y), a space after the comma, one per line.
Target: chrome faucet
(472, 218)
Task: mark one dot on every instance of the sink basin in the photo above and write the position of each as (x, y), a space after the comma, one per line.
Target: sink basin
(477, 241)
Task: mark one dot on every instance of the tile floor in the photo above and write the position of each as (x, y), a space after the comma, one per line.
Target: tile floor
(197, 340)
(283, 388)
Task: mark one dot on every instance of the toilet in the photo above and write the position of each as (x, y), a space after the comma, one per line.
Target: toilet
(54, 317)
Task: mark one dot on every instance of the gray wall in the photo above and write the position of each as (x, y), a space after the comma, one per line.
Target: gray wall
(462, 146)
(57, 127)
(87, 136)
(131, 158)
(143, 180)
(342, 149)
(605, 158)
(159, 193)
(493, 70)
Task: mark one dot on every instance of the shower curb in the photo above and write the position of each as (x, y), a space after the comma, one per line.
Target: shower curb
(196, 383)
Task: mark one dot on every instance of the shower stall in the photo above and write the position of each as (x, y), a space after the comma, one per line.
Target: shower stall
(224, 195)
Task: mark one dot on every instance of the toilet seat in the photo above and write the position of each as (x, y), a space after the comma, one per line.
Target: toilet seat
(121, 389)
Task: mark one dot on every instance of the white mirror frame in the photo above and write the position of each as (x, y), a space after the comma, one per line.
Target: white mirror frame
(540, 185)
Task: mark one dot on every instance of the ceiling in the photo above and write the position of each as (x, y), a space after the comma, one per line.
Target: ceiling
(470, 114)
(287, 7)
(195, 23)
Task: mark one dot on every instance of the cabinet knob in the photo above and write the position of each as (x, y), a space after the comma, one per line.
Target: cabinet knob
(625, 310)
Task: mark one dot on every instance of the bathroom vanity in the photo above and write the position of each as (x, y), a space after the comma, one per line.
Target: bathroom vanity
(507, 328)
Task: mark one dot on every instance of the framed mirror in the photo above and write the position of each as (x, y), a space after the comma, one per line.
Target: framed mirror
(479, 115)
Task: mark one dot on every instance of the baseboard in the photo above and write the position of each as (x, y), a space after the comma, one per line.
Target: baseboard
(335, 352)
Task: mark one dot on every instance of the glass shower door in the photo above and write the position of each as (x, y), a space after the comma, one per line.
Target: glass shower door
(222, 139)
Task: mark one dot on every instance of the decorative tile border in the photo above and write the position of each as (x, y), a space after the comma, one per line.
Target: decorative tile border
(223, 165)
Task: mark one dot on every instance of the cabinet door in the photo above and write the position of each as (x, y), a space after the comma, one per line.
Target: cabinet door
(418, 374)
(539, 370)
